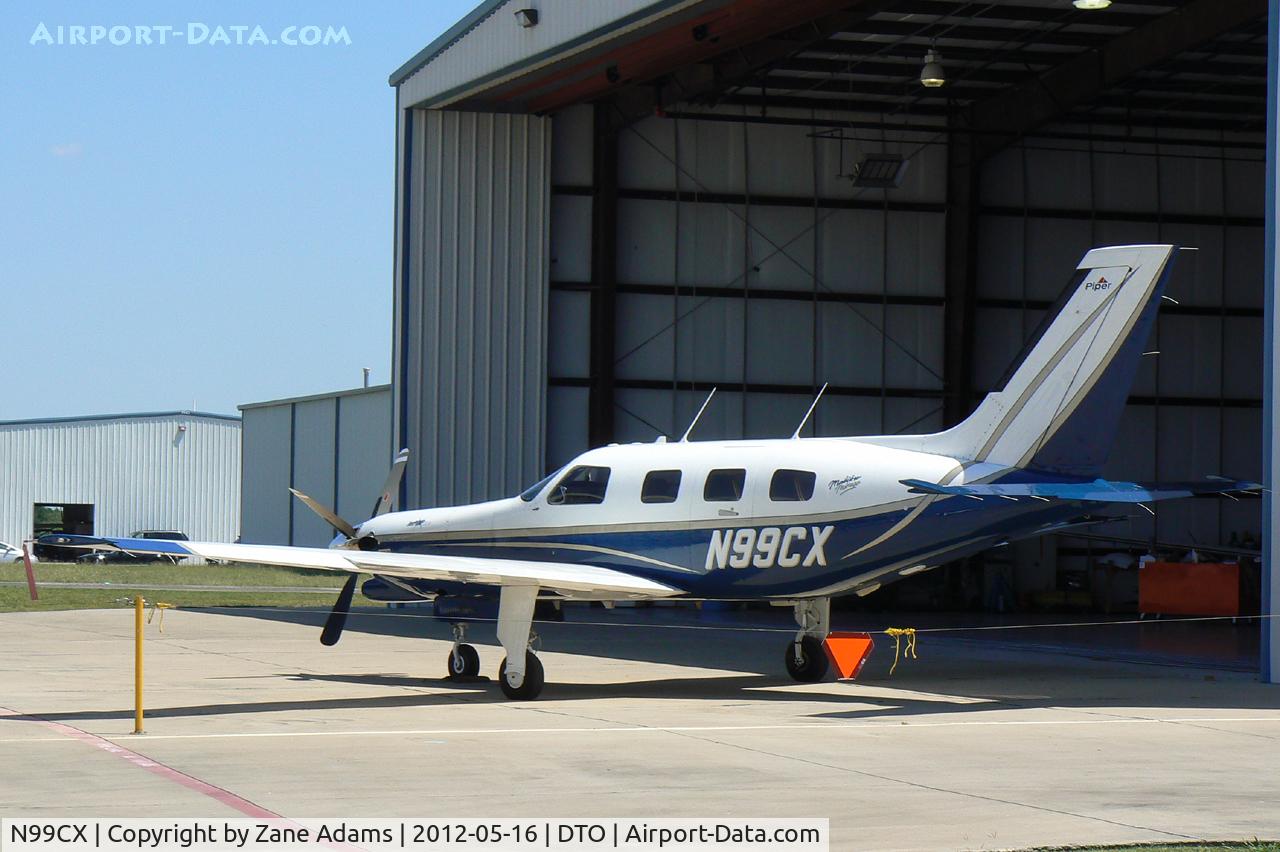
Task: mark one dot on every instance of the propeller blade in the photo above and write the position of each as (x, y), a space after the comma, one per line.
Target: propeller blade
(392, 485)
(338, 616)
(337, 523)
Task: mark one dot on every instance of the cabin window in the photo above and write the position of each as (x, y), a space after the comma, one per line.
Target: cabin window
(582, 485)
(724, 486)
(660, 486)
(792, 486)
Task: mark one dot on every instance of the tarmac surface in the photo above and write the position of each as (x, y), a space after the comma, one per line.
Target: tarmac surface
(978, 744)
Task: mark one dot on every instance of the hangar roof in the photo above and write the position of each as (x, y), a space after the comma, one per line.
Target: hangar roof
(137, 415)
(271, 403)
(1198, 64)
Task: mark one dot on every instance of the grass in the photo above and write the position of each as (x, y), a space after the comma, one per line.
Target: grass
(129, 580)
(164, 574)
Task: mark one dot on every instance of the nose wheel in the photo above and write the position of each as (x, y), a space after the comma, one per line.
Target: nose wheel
(464, 659)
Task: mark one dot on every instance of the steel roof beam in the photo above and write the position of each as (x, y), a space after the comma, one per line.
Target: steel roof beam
(1081, 80)
(1022, 14)
(699, 80)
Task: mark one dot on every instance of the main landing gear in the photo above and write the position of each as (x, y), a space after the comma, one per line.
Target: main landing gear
(806, 659)
(520, 676)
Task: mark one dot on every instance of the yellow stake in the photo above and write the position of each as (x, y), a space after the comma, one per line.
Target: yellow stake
(137, 664)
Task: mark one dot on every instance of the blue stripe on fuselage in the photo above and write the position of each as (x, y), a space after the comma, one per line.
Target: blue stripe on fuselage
(948, 529)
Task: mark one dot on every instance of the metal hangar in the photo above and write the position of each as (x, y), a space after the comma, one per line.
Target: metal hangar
(604, 210)
(115, 474)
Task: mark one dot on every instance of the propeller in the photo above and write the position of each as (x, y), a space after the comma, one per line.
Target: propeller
(329, 515)
(381, 507)
(338, 615)
(392, 485)
(337, 619)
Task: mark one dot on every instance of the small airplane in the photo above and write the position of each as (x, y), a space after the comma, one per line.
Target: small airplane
(792, 521)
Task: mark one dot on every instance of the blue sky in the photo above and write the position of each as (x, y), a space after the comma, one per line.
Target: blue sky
(197, 224)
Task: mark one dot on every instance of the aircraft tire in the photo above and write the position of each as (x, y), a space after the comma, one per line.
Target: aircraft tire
(813, 666)
(466, 663)
(533, 679)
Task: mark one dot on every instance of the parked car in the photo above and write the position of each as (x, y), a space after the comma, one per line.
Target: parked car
(9, 553)
(165, 535)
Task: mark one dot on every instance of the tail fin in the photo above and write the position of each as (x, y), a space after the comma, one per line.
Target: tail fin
(1060, 408)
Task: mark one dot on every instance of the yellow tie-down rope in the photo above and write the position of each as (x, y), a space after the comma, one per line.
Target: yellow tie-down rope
(898, 633)
(159, 605)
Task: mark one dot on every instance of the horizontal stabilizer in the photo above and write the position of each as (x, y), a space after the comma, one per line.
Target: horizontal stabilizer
(1097, 491)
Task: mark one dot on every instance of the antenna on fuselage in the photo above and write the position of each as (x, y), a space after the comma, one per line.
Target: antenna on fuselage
(807, 414)
(705, 403)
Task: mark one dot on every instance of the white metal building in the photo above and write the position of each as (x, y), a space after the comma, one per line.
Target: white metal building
(606, 209)
(115, 474)
(333, 447)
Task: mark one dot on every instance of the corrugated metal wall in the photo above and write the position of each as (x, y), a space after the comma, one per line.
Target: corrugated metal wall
(174, 471)
(473, 267)
(335, 448)
(1196, 407)
(747, 261)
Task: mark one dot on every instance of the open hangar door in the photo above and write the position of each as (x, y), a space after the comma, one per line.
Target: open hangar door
(748, 258)
(708, 227)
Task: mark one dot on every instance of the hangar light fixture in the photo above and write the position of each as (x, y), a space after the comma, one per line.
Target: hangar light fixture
(527, 17)
(1089, 5)
(933, 75)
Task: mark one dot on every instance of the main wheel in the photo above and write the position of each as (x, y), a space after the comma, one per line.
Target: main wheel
(812, 665)
(531, 688)
(464, 662)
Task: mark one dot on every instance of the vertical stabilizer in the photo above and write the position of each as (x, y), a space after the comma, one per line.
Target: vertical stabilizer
(1060, 408)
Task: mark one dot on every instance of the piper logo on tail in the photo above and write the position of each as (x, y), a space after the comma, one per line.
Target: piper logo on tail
(765, 548)
(1101, 284)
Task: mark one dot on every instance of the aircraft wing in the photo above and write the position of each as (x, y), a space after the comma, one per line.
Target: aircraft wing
(1097, 491)
(555, 576)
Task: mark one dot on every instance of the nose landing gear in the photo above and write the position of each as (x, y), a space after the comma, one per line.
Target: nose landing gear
(464, 660)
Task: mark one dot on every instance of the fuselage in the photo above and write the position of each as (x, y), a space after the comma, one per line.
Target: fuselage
(736, 519)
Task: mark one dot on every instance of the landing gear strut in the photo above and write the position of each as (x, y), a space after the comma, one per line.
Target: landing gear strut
(805, 657)
(521, 675)
(464, 660)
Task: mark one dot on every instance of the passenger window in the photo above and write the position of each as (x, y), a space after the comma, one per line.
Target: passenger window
(792, 486)
(724, 486)
(660, 486)
(579, 486)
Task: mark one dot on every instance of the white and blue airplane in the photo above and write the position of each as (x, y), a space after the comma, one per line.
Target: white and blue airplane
(794, 521)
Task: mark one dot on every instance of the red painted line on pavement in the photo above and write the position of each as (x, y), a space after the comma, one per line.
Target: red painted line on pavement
(226, 797)
(218, 794)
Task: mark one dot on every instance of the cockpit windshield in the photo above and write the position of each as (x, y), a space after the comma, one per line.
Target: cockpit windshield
(535, 489)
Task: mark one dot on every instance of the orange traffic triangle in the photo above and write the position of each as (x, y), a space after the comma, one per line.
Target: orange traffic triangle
(848, 652)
